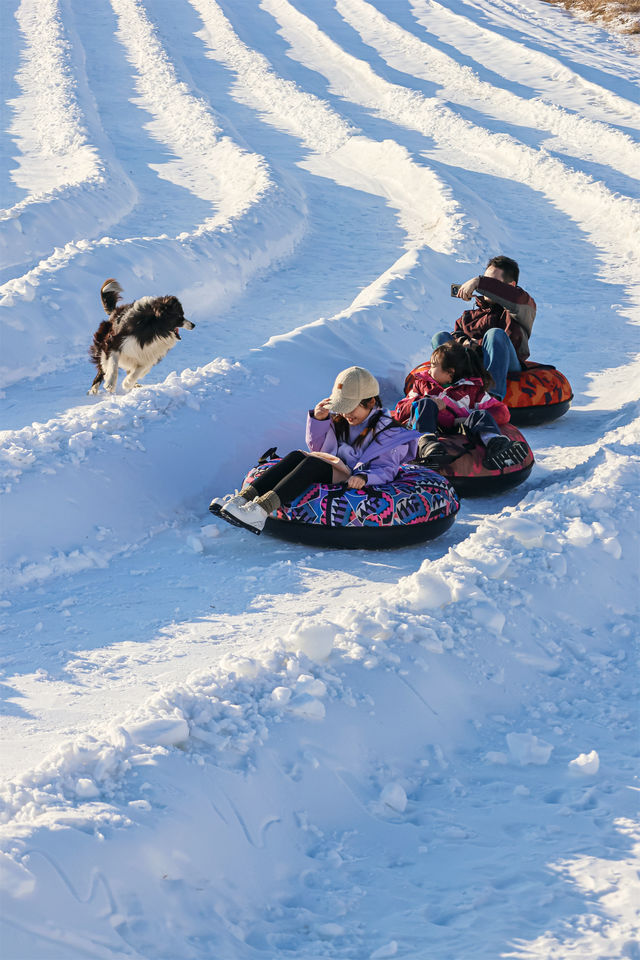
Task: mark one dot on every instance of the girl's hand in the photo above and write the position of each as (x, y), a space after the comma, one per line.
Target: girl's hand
(356, 483)
(440, 404)
(467, 289)
(321, 410)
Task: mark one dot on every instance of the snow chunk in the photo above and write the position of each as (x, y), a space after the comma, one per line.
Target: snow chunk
(585, 764)
(579, 534)
(210, 531)
(78, 442)
(529, 534)
(195, 543)
(389, 950)
(311, 685)
(246, 667)
(162, 731)
(309, 708)
(612, 546)
(281, 695)
(428, 591)
(312, 636)
(527, 748)
(85, 787)
(394, 796)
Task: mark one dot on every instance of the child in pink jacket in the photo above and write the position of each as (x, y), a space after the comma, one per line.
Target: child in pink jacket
(454, 393)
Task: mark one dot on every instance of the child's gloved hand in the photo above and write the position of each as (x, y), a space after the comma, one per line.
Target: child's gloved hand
(321, 410)
(356, 483)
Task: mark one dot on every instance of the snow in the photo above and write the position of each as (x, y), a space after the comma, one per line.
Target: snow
(586, 763)
(221, 745)
(527, 748)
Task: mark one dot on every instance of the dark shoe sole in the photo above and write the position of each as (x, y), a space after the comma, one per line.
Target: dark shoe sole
(512, 456)
(237, 523)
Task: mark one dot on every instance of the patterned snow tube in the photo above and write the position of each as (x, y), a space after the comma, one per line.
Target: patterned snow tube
(538, 394)
(417, 506)
(466, 472)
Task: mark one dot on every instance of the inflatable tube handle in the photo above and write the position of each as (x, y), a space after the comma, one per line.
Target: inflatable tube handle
(268, 455)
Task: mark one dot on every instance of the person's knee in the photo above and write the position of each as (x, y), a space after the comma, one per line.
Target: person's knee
(493, 337)
(439, 338)
(294, 458)
(290, 462)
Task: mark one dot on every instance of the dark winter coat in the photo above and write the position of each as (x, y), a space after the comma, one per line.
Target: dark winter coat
(510, 309)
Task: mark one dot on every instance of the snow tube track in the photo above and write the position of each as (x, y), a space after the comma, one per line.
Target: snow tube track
(221, 745)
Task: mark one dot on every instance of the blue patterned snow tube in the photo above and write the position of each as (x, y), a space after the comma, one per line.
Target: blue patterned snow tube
(417, 506)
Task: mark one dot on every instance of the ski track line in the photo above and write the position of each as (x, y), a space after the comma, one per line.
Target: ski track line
(426, 209)
(611, 223)
(152, 416)
(234, 257)
(229, 706)
(572, 36)
(344, 156)
(69, 185)
(582, 138)
(207, 163)
(71, 434)
(537, 70)
(241, 181)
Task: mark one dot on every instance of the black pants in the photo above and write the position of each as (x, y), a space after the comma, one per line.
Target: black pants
(292, 475)
(479, 424)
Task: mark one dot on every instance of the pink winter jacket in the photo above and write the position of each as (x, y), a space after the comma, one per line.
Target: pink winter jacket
(461, 398)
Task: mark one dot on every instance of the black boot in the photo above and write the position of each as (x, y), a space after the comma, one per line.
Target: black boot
(431, 452)
(501, 452)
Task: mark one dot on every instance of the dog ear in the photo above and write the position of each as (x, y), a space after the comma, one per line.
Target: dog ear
(171, 308)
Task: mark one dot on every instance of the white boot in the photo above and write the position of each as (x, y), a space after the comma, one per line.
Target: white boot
(218, 504)
(251, 515)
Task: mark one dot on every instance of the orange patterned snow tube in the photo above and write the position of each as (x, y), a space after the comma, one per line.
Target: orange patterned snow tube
(537, 394)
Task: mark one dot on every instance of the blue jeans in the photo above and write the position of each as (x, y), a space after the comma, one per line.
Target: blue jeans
(498, 353)
(424, 417)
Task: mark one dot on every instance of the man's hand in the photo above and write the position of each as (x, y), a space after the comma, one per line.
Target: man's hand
(356, 483)
(321, 410)
(467, 289)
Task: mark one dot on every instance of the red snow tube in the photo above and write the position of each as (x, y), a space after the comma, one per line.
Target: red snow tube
(537, 394)
(465, 470)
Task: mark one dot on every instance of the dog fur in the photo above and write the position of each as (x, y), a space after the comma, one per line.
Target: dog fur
(135, 337)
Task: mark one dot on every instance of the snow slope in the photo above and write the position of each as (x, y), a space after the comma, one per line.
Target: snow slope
(218, 746)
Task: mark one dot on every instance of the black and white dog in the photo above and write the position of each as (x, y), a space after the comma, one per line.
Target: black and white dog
(135, 337)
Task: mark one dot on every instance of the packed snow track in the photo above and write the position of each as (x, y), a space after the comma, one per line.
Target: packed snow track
(215, 745)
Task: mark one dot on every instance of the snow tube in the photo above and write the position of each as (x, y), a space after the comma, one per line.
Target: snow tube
(417, 506)
(537, 394)
(466, 472)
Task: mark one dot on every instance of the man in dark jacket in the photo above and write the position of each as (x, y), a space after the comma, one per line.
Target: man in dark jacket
(500, 323)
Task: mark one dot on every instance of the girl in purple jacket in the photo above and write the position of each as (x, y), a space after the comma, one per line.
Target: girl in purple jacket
(350, 438)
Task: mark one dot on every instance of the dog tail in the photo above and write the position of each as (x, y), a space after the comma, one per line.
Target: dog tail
(99, 338)
(110, 294)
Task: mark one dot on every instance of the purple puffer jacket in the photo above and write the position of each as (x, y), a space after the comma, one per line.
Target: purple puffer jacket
(381, 454)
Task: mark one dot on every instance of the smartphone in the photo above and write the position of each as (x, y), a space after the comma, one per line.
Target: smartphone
(454, 289)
